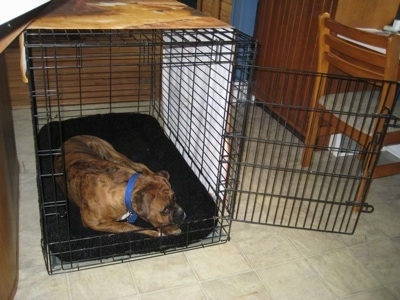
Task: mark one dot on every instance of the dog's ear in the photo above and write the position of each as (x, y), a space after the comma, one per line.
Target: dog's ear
(163, 173)
(139, 204)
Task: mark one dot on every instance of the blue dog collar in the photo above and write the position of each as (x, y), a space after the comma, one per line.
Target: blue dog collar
(128, 198)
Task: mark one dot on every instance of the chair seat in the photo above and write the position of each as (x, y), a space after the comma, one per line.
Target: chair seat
(356, 108)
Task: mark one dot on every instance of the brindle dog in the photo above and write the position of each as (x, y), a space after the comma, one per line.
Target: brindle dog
(96, 180)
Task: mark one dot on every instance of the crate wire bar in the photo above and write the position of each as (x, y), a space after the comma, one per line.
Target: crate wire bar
(238, 136)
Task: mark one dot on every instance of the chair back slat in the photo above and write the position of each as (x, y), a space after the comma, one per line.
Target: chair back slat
(345, 49)
(353, 69)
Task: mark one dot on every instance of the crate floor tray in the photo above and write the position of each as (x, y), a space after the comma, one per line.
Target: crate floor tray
(142, 139)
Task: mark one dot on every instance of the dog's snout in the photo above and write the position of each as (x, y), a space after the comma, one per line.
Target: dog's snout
(179, 215)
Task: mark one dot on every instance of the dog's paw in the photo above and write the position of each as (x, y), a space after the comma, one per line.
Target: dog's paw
(169, 230)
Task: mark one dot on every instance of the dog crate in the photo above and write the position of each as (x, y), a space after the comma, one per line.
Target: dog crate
(185, 101)
(161, 97)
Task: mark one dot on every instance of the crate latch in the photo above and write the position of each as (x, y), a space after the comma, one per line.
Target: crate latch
(365, 207)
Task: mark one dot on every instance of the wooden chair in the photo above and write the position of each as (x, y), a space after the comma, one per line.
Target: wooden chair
(341, 48)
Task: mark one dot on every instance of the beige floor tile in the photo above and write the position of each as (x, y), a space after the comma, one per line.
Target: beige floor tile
(35, 283)
(107, 282)
(238, 226)
(134, 297)
(385, 219)
(27, 167)
(30, 251)
(22, 125)
(343, 273)
(386, 189)
(394, 288)
(385, 195)
(162, 272)
(294, 280)
(365, 232)
(29, 212)
(217, 261)
(242, 286)
(192, 292)
(311, 242)
(379, 294)
(28, 201)
(381, 258)
(265, 246)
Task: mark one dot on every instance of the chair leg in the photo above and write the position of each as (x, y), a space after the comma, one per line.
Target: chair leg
(360, 195)
(310, 139)
(367, 175)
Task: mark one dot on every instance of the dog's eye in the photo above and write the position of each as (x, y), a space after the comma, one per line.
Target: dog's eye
(166, 210)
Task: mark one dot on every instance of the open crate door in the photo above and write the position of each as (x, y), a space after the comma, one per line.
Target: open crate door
(270, 183)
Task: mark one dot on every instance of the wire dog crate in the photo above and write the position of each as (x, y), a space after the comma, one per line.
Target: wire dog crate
(104, 83)
(190, 91)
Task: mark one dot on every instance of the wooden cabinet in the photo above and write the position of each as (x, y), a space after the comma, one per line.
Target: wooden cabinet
(220, 9)
(8, 193)
(9, 168)
(286, 31)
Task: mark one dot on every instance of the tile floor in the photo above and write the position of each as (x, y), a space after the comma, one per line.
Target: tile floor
(260, 262)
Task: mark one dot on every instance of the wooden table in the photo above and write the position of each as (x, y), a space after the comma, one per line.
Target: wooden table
(8, 183)
(122, 14)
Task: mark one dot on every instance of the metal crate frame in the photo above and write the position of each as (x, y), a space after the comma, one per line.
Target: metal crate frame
(183, 78)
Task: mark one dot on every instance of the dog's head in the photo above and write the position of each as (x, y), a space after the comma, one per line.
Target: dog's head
(154, 200)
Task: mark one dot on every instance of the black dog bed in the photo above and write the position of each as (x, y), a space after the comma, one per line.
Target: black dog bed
(140, 138)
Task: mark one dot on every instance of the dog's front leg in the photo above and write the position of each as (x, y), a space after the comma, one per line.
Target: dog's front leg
(118, 227)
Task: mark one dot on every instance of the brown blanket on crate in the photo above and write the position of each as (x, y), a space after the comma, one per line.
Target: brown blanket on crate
(140, 138)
